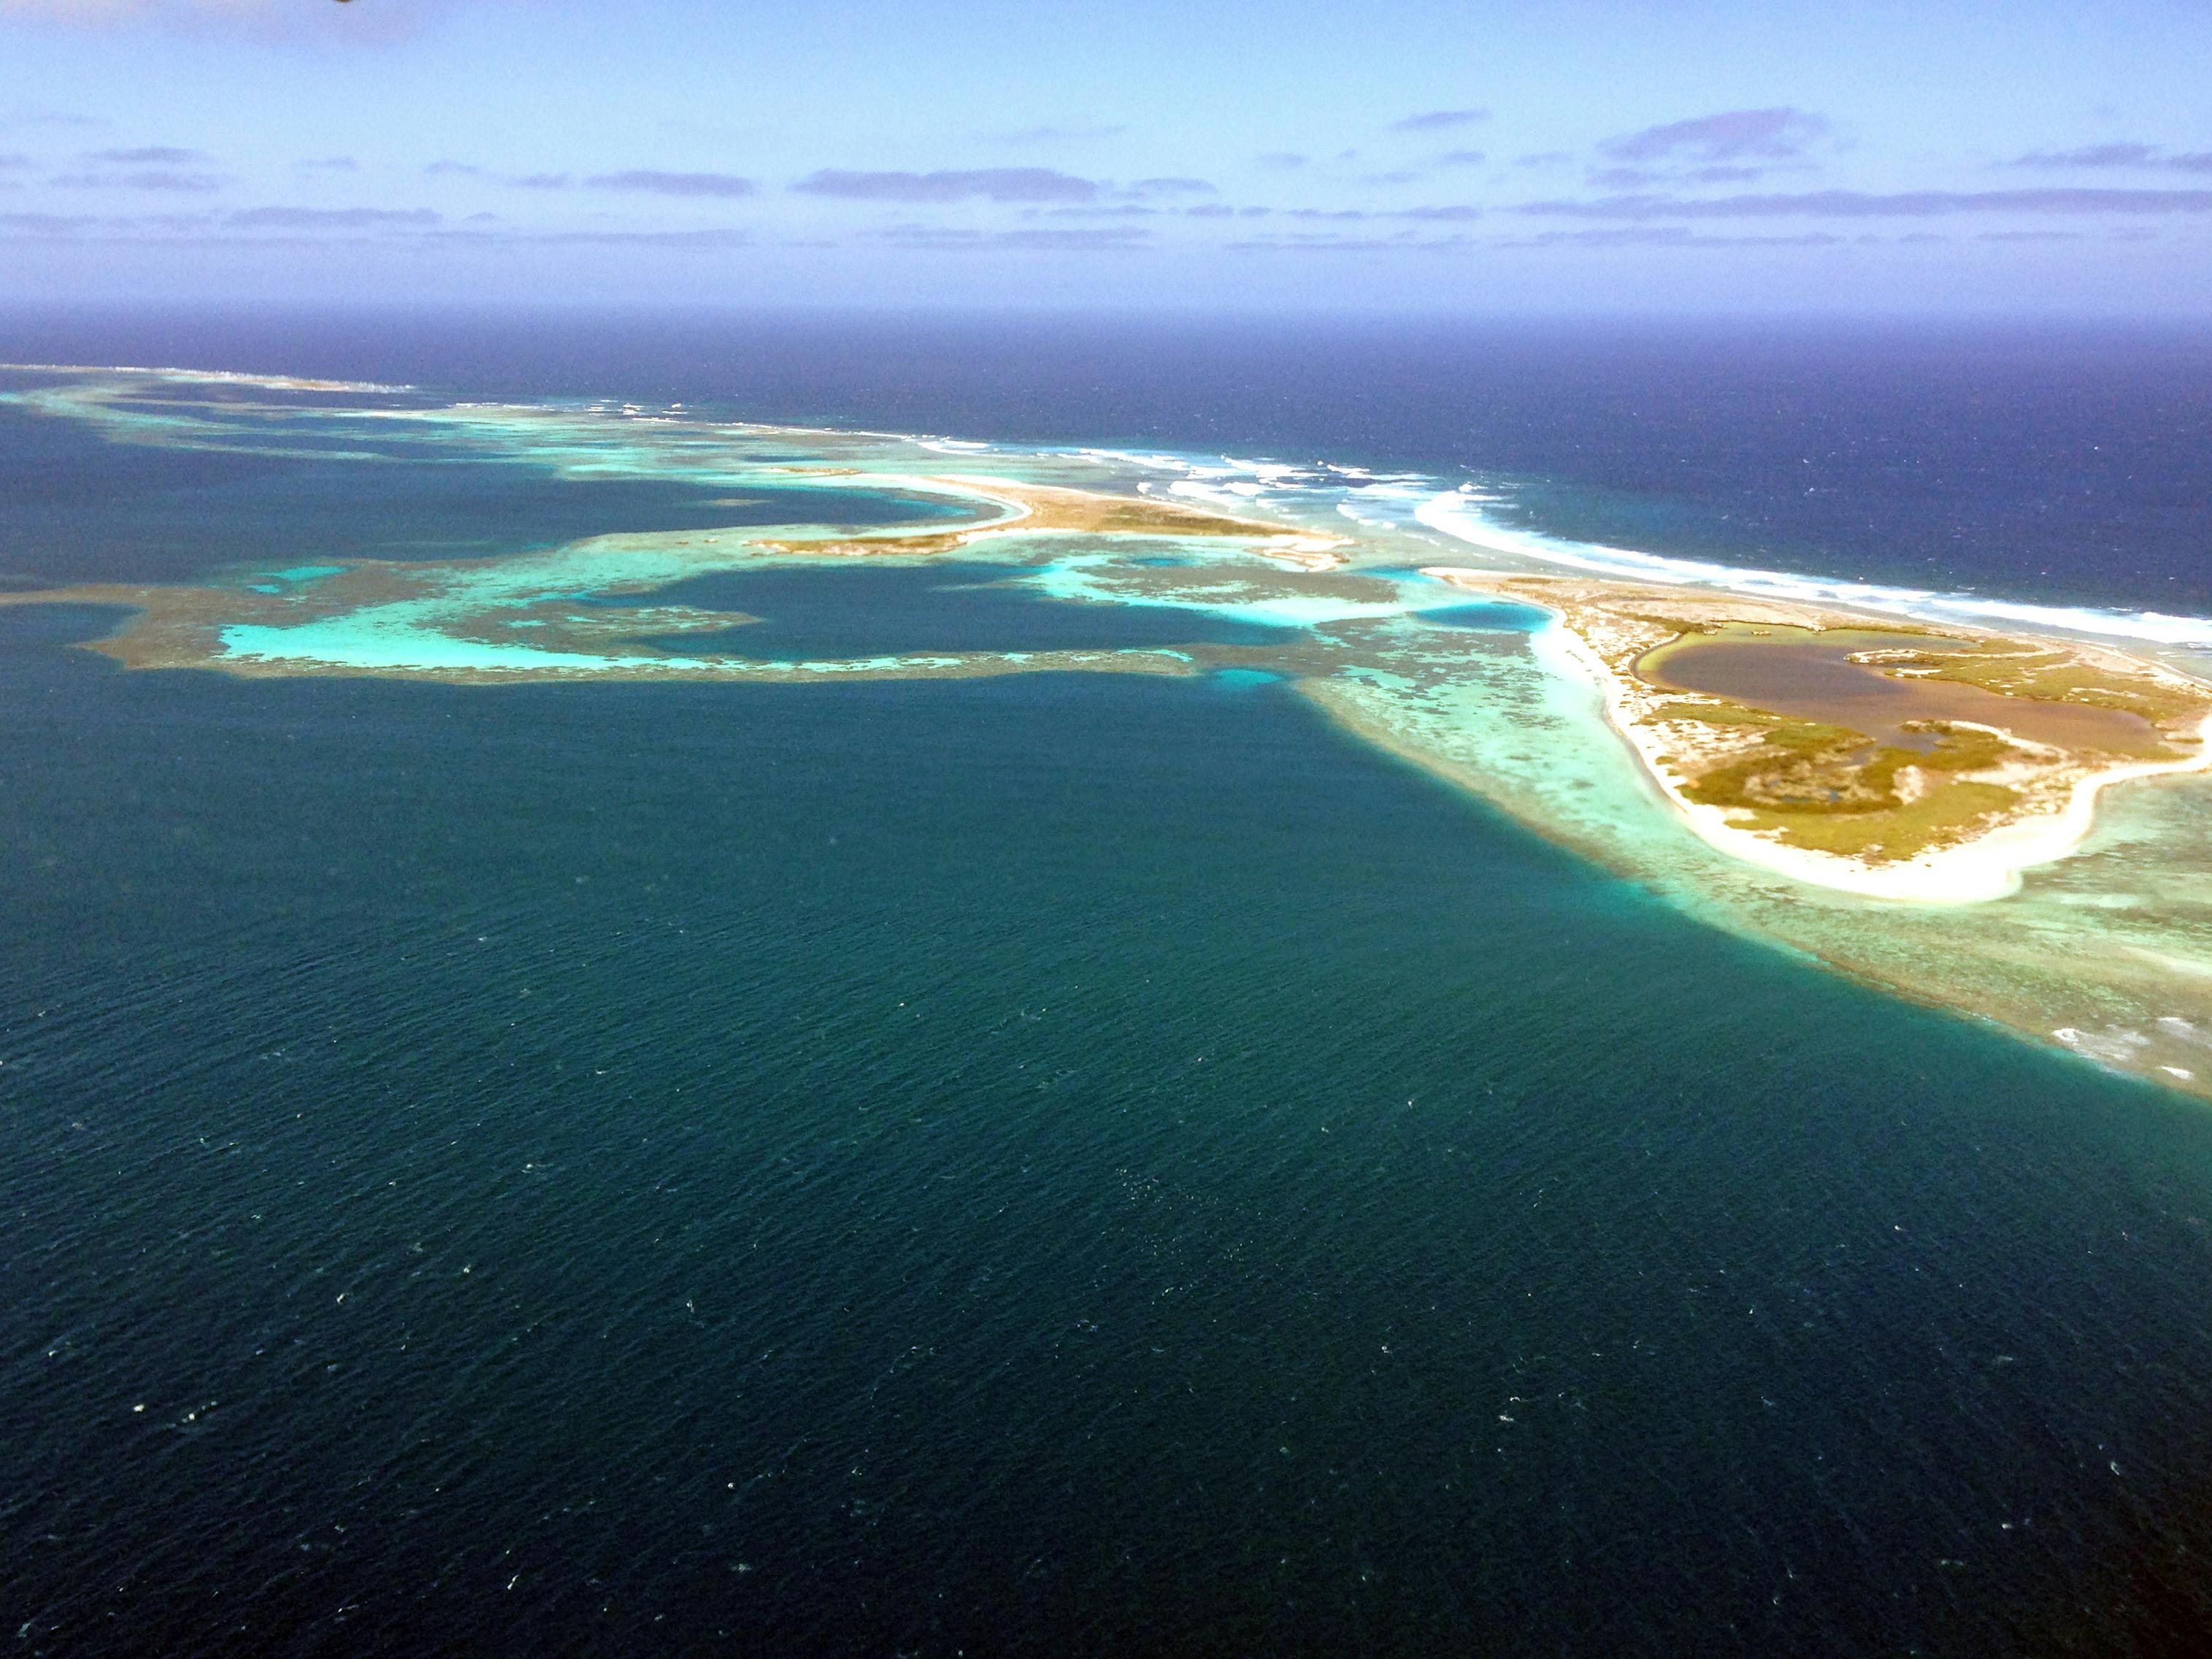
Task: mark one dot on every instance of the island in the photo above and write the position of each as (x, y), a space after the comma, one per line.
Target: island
(1863, 752)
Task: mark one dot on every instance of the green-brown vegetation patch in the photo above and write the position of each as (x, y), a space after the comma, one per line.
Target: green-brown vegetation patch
(2055, 675)
(1829, 789)
(1942, 818)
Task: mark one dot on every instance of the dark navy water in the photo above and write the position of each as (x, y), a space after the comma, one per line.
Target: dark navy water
(1050, 1164)
(2068, 463)
(168, 514)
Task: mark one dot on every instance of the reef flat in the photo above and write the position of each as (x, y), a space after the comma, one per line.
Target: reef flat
(2005, 820)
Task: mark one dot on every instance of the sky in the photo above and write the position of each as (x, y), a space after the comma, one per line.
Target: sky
(1432, 157)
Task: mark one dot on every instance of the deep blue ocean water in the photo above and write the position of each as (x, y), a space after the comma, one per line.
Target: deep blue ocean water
(1050, 1164)
(169, 514)
(2067, 462)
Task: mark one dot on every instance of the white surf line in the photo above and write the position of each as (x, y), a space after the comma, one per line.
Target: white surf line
(212, 376)
(1457, 513)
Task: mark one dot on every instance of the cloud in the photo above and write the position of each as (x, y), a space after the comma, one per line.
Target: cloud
(1051, 134)
(710, 237)
(331, 164)
(1171, 187)
(1453, 214)
(1461, 158)
(1282, 160)
(2127, 154)
(51, 117)
(1334, 241)
(1638, 178)
(1856, 204)
(302, 218)
(1328, 244)
(106, 11)
(262, 226)
(1733, 135)
(2090, 156)
(165, 178)
(16, 160)
(643, 180)
(1104, 238)
(653, 183)
(46, 224)
(148, 155)
(1439, 120)
(987, 184)
(267, 19)
(1668, 236)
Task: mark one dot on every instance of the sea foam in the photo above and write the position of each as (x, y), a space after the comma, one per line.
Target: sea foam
(1458, 513)
(1378, 500)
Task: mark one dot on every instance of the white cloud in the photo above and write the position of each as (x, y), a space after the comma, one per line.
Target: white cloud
(380, 20)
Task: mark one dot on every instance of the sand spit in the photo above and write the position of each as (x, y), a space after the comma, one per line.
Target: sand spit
(1032, 509)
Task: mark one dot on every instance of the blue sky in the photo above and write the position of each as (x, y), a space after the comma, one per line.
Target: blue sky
(1708, 156)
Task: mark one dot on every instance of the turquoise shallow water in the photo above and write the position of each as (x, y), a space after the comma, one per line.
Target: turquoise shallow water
(1050, 1161)
(812, 612)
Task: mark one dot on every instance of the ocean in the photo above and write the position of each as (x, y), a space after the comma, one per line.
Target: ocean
(1057, 1162)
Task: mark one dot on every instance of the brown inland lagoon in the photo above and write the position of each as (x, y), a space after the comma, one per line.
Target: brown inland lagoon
(1809, 675)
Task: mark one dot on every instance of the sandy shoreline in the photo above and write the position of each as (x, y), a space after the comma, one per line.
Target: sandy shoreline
(1990, 865)
(1301, 550)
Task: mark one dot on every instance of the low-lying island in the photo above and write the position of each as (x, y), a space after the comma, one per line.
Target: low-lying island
(1861, 752)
